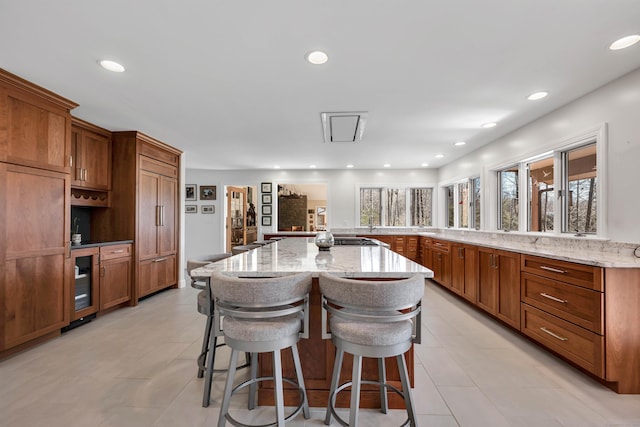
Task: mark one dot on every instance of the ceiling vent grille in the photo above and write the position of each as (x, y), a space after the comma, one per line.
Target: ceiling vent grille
(343, 127)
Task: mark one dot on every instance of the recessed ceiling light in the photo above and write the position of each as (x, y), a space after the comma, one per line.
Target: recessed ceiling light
(439, 156)
(537, 95)
(625, 42)
(276, 167)
(111, 66)
(387, 165)
(460, 143)
(317, 57)
(424, 165)
(489, 125)
(312, 166)
(349, 165)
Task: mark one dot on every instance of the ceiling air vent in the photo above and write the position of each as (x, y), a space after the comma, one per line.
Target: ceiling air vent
(343, 127)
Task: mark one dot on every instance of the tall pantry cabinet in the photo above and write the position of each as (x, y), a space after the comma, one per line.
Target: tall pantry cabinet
(35, 146)
(145, 208)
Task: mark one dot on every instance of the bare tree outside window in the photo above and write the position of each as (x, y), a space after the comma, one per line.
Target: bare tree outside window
(463, 204)
(475, 203)
(370, 206)
(541, 194)
(421, 207)
(396, 206)
(509, 209)
(582, 194)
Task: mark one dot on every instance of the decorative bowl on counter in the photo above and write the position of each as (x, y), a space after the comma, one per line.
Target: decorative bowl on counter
(324, 240)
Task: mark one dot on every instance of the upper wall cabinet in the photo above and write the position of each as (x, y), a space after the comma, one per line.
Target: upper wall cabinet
(36, 125)
(90, 156)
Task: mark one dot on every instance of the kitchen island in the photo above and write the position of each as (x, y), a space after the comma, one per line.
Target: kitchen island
(296, 255)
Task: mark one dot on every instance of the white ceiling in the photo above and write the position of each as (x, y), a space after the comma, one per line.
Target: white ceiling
(226, 81)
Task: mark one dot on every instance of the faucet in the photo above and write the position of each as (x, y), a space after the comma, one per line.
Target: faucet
(371, 228)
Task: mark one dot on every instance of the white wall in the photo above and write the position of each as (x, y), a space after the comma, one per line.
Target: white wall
(204, 234)
(618, 105)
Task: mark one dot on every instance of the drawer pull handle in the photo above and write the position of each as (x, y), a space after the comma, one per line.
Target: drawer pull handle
(555, 270)
(160, 259)
(118, 252)
(551, 297)
(543, 329)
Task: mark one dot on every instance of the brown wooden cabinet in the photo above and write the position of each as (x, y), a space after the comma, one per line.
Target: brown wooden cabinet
(146, 213)
(90, 156)
(441, 262)
(464, 270)
(36, 125)
(425, 252)
(34, 212)
(116, 267)
(499, 284)
(412, 248)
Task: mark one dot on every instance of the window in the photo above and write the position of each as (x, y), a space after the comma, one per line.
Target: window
(420, 208)
(370, 206)
(563, 189)
(541, 194)
(463, 204)
(395, 207)
(580, 205)
(508, 209)
(449, 203)
(475, 203)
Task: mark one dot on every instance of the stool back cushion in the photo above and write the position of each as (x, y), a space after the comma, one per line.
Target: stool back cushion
(373, 295)
(260, 292)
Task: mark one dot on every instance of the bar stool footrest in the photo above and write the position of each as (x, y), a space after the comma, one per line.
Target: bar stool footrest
(332, 399)
(255, 381)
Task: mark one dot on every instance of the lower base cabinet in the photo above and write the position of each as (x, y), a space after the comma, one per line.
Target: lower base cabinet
(116, 265)
(156, 274)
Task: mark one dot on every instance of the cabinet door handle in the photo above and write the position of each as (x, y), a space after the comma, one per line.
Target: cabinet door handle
(555, 270)
(157, 215)
(160, 259)
(70, 161)
(545, 330)
(461, 253)
(162, 215)
(551, 297)
(84, 174)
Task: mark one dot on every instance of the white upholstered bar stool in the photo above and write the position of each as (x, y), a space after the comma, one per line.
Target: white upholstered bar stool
(374, 319)
(205, 306)
(262, 315)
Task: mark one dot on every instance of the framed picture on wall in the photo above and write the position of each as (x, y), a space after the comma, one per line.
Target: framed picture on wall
(266, 221)
(190, 208)
(208, 209)
(266, 199)
(191, 192)
(266, 209)
(266, 187)
(207, 192)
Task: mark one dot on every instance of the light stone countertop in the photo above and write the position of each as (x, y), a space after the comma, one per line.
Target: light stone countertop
(300, 254)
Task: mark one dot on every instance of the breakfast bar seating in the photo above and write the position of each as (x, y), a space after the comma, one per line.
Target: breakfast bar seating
(374, 319)
(370, 262)
(263, 315)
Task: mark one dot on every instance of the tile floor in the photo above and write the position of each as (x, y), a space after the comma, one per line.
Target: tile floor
(136, 367)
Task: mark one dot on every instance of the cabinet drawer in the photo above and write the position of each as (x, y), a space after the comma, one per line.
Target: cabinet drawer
(440, 245)
(577, 274)
(115, 251)
(577, 344)
(573, 303)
